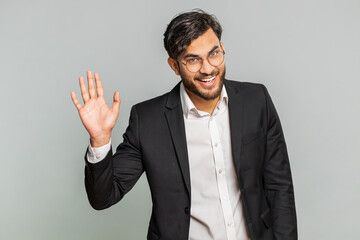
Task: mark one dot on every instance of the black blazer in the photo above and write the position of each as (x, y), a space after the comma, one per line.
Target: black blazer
(155, 142)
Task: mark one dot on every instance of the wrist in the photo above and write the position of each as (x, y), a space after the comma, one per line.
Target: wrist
(100, 141)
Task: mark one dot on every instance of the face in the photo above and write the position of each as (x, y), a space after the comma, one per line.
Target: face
(206, 83)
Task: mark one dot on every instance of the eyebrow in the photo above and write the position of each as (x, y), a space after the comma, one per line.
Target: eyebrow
(195, 55)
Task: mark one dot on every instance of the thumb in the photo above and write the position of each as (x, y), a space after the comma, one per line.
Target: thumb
(116, 104)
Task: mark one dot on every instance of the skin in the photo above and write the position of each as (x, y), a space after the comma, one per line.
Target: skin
(99, 119)
(204, 98)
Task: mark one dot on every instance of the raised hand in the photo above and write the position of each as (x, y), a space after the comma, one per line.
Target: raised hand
(95, 114)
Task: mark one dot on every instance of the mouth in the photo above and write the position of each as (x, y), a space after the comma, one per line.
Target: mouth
(207, 82)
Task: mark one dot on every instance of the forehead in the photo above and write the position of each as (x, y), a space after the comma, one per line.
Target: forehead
(203, 44)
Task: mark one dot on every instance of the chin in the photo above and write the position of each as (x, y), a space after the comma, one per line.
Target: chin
(210, 95)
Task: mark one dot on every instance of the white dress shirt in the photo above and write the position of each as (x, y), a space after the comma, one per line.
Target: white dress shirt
(216, 209)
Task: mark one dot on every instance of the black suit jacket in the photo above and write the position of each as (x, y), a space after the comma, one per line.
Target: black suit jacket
(155, 142)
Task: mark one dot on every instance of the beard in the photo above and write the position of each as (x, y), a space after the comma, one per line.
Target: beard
(190, 86)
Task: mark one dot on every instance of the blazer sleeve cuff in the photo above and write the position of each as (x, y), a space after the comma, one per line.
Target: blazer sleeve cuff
(104, 163)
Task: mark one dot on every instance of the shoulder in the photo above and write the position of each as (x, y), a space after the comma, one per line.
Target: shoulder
(161, 103)
(150, 114)
(153, 104)
(243, 86)
(246, 89)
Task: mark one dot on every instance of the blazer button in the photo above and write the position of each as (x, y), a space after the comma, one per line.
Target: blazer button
(187, 210)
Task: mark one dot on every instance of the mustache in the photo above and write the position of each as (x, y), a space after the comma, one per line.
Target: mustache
(201, 76)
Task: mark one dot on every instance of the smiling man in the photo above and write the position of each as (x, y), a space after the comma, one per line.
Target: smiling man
(212, 149)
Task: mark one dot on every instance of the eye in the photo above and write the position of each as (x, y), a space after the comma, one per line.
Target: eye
(192, 60)
(214, 54)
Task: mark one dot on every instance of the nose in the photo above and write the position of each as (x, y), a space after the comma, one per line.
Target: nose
(206, 67)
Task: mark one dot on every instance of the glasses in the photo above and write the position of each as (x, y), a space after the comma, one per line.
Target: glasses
(215, 58)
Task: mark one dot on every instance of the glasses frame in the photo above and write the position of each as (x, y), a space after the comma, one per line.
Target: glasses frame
(202, 61)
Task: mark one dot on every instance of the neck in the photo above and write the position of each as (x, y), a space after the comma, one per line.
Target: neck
(203, 104)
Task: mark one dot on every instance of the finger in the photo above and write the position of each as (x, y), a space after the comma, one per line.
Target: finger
(91, 84)
(75, 101)
(84, 92)
(99, 87)
(116, 104)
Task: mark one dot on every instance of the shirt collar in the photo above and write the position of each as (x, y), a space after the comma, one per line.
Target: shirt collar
(188, 106)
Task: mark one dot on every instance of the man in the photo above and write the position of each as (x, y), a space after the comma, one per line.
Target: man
(212, 149)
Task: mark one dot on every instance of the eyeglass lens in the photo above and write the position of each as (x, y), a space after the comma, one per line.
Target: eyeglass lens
(214, 59)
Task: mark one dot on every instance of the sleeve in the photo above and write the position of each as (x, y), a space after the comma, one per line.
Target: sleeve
(107, 181)
(277, 177)
(95, 155)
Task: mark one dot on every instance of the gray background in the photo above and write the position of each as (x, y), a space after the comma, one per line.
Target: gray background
(306, 52)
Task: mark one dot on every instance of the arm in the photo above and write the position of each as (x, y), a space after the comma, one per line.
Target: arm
(109, 180)
(277, 178)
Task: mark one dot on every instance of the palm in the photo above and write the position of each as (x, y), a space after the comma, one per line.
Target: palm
(97, 117)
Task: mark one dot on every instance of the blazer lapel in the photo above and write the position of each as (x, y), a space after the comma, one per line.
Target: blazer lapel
(236, 115)
(175, 121)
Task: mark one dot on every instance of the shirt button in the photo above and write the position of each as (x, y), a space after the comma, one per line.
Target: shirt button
(216, 145)
(230, 224)
(187, 210)
(220, 171)
(97, 156)
(225, 198)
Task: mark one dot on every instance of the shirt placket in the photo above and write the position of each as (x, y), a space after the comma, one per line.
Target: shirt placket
(221, 179)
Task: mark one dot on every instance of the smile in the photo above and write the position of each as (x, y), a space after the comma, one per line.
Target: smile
(208, 80)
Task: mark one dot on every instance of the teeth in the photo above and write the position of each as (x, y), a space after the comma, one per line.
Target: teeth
(207, 80)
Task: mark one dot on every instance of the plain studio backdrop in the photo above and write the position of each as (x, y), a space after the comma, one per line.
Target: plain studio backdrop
(307, 53)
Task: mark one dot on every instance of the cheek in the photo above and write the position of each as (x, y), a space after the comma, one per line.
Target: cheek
(186, 76)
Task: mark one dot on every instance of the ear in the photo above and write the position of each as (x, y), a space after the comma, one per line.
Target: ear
(174, 65)
(222, 46)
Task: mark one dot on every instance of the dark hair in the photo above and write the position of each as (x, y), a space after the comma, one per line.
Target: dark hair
(186, 27)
